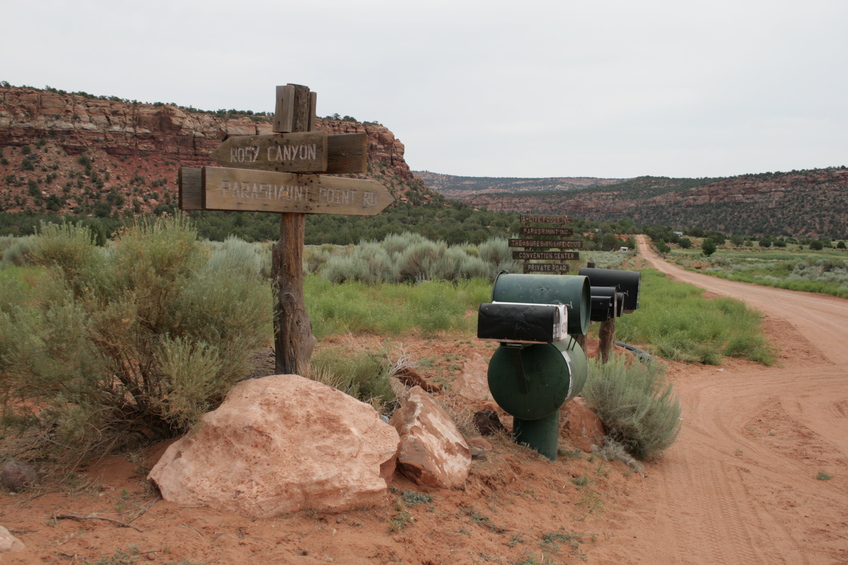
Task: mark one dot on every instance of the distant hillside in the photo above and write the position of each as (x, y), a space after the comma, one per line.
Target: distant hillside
(811, 203)
(453, 186)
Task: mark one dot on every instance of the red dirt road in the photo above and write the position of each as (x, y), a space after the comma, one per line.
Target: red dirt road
(740, 485)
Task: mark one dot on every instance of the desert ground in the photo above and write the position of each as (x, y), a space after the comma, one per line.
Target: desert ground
(759, 474)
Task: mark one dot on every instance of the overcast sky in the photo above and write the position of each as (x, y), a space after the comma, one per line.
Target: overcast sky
(528, 88)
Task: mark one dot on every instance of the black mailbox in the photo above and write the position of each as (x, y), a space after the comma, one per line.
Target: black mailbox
(626, 282)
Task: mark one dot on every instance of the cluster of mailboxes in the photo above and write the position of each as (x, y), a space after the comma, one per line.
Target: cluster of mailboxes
(539, 365)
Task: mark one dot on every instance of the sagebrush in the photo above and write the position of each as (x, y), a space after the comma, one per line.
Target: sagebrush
(139, 338)
(637, 406)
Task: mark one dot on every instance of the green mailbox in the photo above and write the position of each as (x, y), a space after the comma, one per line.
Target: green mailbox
(537, 367)
(570, 290)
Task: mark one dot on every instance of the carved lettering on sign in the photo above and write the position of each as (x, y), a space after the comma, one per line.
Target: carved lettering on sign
(242, 190)
(248, 190)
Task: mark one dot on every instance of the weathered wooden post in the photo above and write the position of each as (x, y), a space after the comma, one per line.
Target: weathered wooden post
(293, 339)
(606, 337)
(275, 173)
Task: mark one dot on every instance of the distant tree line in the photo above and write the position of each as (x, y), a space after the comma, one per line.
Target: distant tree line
(452, 222)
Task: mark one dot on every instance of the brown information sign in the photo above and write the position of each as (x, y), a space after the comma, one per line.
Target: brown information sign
(546, 255)
(542, 219)
(546, 268)
(265, 191)
(307, 152)
(290, 152)
(524, 231)
(560, 243)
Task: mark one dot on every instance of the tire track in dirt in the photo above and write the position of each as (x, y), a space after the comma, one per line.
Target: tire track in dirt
(740, 485)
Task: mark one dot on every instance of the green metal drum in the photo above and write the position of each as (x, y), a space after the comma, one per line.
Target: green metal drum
(531, 382)
(570, 290)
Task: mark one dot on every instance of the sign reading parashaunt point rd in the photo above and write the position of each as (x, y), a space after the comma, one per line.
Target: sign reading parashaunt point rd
(265, 191)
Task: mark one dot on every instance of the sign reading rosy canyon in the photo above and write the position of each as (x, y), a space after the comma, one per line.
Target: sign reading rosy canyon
(307, 152)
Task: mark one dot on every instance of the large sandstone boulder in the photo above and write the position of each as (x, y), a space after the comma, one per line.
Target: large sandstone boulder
(432, 451)
(280, 444)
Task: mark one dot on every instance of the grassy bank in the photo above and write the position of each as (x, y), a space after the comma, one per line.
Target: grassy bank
(680, 324)
(793, 268)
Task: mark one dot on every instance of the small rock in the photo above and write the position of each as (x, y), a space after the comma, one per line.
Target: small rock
(410, 377)
(17, 476)
(479, 447)
(487, 422)
(432, 451)
(9, 543)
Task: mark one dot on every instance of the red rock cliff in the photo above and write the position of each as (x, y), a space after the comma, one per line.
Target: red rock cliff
(78, 123)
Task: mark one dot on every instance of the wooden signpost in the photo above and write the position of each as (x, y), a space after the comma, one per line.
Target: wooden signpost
(528, 232)
(265, 173)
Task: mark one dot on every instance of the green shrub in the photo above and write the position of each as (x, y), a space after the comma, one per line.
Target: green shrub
(498, 254)
(708, 247)
(366, 262)
(636, 405)
(18, 251)
(137, 339)
(395, 244)
(417, 262)
(363, 375)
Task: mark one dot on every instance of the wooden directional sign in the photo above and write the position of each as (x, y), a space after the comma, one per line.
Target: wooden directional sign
(290, 152)
(524, 231)
(306, 152)
(546, 255)
(543, 219)
(546, 268)
(246, 190)
(560, 243)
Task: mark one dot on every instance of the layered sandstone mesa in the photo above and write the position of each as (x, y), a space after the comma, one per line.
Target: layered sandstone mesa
(432, 451)
(281, 444)
(121, 128)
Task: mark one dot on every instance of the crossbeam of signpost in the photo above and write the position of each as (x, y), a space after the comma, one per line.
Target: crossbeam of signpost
(244, 190)
(308, 152)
